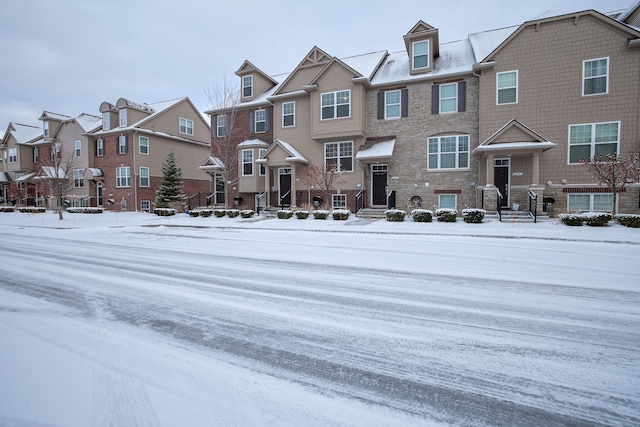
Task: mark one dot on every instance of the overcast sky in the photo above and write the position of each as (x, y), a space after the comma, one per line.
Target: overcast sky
(68, 56)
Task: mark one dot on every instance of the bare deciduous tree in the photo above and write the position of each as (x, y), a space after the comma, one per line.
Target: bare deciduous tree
(225, 99)
(614, 171)
(58, 173)
(325, 178)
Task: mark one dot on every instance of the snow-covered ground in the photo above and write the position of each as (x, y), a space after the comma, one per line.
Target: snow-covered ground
(130, 319)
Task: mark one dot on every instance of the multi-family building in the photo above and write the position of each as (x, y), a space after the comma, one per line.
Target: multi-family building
(501, 117)
(20, 151)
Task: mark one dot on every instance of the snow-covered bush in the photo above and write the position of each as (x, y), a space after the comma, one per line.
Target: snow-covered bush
(32, 209)
(247, 213)
(7, 208)
(340, 214)
(573, 220)
(422, 215)
(395, 215)
(446, 215)
(219, 213)
(232, 213)
(473, 216)
(194, 213)
(597, 219)
(302, 214)
(628, 220)
(86, 210)
(284, 214)
(164, 211)
(206, 213)
(320, 214)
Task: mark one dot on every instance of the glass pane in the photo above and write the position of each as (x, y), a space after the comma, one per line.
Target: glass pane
(605, 149)
(448, 144)
(447, 201)
(433, 161)
(579, 152)
(287, 108)
(327, 112)
(448, 105)
(448, 91)
(346, 149)
(506, 80)
(463, 143)
(343, 110)
(580, 134)
(433, 145)
(288, 120)
(603, 202)
(595, 85)
(607, 132)
(506, 96)
(331, 150)
(448, 161)
(393, 111)
(327, 99)
(463, 160)
(420, 61)
(392, 97)
(421, 48)
(346, 164)
(579, 202)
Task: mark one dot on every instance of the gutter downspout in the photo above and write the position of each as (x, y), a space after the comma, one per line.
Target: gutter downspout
(135, 174)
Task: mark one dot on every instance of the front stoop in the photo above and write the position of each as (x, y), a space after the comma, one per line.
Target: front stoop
(372, 213)
(517, 216)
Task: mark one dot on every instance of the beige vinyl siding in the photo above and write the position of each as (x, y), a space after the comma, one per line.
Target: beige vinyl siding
(168, 122)
(187, 154)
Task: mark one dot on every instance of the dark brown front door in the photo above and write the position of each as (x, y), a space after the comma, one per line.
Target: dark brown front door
(285, 186)
(501, 179)
(378, 185)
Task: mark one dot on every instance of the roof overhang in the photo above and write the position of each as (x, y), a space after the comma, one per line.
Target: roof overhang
(515, 148)
(376, 150)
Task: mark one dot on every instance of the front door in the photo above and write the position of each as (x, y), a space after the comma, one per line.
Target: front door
(219, 194)
(284, 187)
(99, 196)
(378, 185)
(501, 168)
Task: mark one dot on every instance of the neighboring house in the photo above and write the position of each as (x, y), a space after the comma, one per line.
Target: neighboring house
(19, 151)
(558, 90)
(134, 141)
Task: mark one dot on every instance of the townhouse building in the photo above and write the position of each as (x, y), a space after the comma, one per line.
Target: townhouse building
(495, 119)
(20, 153)
(133, 142)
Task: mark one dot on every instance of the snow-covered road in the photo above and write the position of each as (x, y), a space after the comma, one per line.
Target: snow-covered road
(231, 326)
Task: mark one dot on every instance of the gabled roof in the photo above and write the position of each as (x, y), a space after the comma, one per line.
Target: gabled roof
(47, 115)
(293, 155)
(377, 149)
(247, 67)
(253, 143)
(420, 30)
(334, 60)
(23, 134)
(212, 164)
(616, 25)
(88, 122)
(633, 9)
(527, 141)
(316, 56)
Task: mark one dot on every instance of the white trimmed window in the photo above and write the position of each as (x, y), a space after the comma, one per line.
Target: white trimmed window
(247, 162)
(288, 114)
(106, 121)
(143, 145)
(123, 118)
(595, 76)
(338, 201)
(261, 121)
(247, 86)
(78, 151)
(593, 139)
(123, 176)
(36, 155)
(420, 55)
(122, 144)
(592, 202)
(263, 169)
(447, 201)
(13, 155)
(339, 155)
(78, 178)
(45, 128)
(507, 87)
(144, 176)
(449, 98)
(186, 126)
(221, 126)
(145, 206)
(448, 152)
(335, 105)
(392, 108)
(100, 147)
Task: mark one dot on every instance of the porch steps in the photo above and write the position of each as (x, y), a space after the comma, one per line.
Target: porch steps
(372, 213)
(516, 216)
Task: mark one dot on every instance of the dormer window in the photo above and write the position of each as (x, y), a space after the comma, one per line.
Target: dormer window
(45, 128)
(420, 55)
(123, 118)
(247, 86)
(106, 121)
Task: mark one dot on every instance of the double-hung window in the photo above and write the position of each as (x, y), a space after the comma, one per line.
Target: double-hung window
(123, 176)
(247, 86)
(13, 155)
(595, 76)
(447, 201)
(186, 126)
(591, 140)
(448, 152)
(78, 151)
(392, 104)
(260, 121)
(123, 118)
(449, 98)
(143, 145)
(36, 155)
(45, 128)
(100, 147)
(122, 144)
(339, 155)
(106, 121)
(507, 87)
(420, 55)
(221, 126)
(338, 201)
(288, 114)
(263, 169)
(599, 202)
(144, 176)
(247, 162)
(78, 178)
(336, 104)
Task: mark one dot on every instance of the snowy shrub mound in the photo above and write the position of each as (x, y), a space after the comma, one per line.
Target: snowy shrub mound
(628, 220)
(86, 210)
(320, 214)
(285, 214)
(473, 216)
(446, 215)
(395, 215)
(164, 211)
(32, 209)
(232, 213)
(302, 214)
(7, 209)
(422, 215)
(572, 220)
(597, 219)
(247, 213)
(340, 214)
(219, 213)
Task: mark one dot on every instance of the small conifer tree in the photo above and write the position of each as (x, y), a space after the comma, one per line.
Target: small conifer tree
(170, 192)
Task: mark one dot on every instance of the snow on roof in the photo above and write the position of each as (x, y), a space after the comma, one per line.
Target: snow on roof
(455, 57)
(485, 42)
(95, 172)
(88, 122)
(521, 145)
(157, 108)
(376, 149)
(4, 177)
(25, 133)
(365, 64)
(55, 116)
(295, 154)
(252, 142)
(49, 172)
